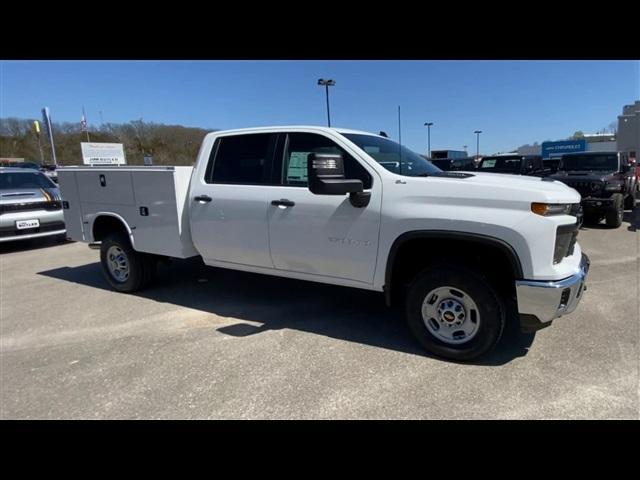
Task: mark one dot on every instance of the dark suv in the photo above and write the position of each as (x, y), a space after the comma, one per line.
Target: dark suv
(454, 164)
(605, 181)
(515, 165)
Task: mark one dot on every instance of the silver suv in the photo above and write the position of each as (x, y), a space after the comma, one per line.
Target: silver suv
(30, 205)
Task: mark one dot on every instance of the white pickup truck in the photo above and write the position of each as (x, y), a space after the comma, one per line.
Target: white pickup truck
(347, 208)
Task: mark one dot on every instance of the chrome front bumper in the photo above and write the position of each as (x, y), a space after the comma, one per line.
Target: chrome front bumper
(542, 301)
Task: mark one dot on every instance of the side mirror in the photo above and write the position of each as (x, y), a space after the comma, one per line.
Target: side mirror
(326, 175)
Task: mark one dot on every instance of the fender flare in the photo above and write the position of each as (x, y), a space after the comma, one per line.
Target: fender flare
(503, 246)
(118, 217)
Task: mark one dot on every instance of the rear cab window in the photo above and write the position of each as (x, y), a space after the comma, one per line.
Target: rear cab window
(242, 159)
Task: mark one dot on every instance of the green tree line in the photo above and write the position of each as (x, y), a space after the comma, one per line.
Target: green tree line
(167, 144)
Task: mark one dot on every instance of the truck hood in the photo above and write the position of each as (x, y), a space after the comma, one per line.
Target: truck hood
(489, 188)
(28, 195)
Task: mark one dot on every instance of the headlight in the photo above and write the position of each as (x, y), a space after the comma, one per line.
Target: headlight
(546, 209)
(613, 187)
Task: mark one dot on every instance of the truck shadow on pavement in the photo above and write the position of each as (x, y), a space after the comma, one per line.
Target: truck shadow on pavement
(276, 303)
(31, 244)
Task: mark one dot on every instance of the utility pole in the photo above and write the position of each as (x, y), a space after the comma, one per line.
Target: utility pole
(327, 83)
(478, 132)
(399, 141)
(428, 125)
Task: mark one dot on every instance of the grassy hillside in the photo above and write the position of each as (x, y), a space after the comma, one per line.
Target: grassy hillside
(167, 144)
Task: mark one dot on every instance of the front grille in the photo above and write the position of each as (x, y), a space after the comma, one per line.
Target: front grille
(566, 236)
(586, 188)
(30, 206)
(47, 227)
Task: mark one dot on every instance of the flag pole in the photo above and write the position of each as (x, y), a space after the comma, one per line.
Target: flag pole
(85, 125)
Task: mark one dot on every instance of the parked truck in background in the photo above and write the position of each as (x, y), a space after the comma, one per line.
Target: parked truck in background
(347, 208)
(514, 165)
(606, 181)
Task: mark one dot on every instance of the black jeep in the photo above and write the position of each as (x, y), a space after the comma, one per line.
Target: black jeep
(515, 165)
(605, 181)
(454, 164)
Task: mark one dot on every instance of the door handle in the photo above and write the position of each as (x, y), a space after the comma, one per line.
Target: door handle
(203, 198)
(283, 202)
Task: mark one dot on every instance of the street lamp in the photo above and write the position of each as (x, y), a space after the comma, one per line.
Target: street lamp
(477, 132)
(327, 83)
(428, 125)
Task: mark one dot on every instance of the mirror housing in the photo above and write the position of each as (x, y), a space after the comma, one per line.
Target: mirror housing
(325, 173)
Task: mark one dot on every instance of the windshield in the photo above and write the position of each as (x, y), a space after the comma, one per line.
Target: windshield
(9, 180)
(589, 162)
(392, 156)
(502, 165)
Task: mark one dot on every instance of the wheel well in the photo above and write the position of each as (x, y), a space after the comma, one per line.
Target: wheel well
(491, 258)
(105, 225)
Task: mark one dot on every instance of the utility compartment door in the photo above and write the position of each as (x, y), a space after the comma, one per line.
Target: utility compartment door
(158, 219)
(105, 187)
(71, 200)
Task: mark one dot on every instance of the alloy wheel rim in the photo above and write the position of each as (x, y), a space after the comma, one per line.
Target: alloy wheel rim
(451, 315)
(118, 263)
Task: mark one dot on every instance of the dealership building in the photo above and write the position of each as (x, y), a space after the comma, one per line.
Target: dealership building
(627, 139)
(629, 130)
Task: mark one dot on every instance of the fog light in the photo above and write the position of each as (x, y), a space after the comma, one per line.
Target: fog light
(564, 299)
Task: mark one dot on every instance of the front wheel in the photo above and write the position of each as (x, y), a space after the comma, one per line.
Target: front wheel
(126, 270)
(454, 312)
(615, 213)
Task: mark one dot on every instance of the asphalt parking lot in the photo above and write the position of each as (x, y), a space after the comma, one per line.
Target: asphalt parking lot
(209, 343)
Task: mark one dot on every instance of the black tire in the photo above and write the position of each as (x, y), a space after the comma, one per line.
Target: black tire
(614, 215)
(141, 266)
(490, 308)
(630, 201)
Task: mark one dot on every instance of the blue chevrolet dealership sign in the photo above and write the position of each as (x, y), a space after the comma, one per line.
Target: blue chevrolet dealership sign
(566, 146)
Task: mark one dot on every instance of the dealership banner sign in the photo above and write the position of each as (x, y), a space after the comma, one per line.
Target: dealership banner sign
(554, 149)
(103, 153)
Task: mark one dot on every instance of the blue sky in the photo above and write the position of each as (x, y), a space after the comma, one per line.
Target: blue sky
(512, 102)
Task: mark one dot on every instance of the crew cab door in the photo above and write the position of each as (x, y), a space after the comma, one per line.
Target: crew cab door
(322, 235)
(229, 204)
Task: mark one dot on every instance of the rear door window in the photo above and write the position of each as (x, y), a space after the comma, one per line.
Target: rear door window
(242, 159)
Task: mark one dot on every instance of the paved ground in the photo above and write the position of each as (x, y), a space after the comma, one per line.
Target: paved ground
(209, 343)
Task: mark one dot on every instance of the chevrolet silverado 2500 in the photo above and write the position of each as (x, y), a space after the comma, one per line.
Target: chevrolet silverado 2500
(347, 208)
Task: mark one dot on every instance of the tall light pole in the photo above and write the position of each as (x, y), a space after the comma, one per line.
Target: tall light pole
(327, 83)
(477, 132)
(428, 125)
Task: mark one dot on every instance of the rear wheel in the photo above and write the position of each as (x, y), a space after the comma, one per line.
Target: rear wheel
(454, 312)
(126, 270)
(616, 212)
